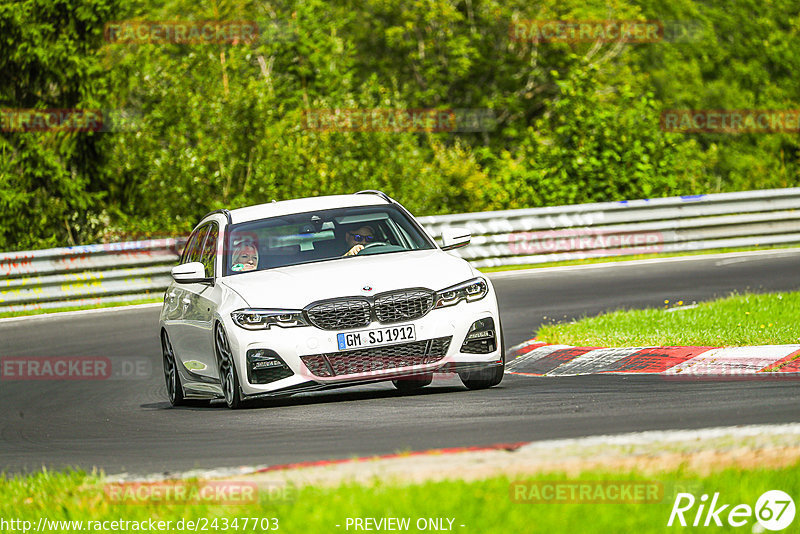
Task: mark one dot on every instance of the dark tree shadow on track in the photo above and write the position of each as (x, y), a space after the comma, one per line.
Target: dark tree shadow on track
(317, 397)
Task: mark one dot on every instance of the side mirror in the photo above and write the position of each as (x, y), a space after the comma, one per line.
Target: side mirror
(190, 273)
(455, 238)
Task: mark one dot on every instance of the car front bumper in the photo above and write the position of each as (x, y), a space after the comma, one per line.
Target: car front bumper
(303, 349)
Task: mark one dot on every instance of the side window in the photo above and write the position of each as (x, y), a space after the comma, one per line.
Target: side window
(193, 246)
(209, 255)
(188, 246)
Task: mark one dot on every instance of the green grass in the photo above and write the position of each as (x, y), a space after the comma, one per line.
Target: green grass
(614, 259)
(481, 506)
(748, 319)
(79, 308)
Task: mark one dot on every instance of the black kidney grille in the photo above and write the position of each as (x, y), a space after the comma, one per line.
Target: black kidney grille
(340, 314)
(403, 305)
(377, 358)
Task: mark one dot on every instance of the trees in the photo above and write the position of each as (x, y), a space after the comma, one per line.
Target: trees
(591, 147)
(51, 184)
(223, 125)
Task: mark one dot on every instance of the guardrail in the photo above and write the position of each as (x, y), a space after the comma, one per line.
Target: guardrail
(661, 225)
(86, 275)
(123, 272)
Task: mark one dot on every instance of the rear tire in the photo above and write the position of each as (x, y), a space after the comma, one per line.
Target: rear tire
(228, 377)
(171, 375)
(413, 383)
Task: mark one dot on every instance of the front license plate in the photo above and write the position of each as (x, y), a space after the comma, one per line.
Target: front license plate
(379, 336)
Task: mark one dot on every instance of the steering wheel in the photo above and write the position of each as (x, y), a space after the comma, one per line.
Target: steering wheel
(375, 244)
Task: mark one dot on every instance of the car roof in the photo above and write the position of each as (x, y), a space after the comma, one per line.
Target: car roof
(302, 205)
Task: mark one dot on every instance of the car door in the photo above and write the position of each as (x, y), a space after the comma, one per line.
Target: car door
(176, 298)
(201, 301)
(172, 297)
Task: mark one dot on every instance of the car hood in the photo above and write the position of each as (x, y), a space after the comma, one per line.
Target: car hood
(297, 286)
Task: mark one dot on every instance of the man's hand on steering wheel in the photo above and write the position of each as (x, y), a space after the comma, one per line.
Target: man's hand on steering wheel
(355, 250)
(358, 248)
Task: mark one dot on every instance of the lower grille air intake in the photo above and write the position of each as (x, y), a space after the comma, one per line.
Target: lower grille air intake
(377, 359)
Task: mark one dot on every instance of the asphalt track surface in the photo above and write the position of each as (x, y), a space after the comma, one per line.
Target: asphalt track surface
(127, 426)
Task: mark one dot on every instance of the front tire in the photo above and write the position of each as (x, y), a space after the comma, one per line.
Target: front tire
(483, 378)
(173, 379)
(413, 383)
(229, 378)
(489, 377)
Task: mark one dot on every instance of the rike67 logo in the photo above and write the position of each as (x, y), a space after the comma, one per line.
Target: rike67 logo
(774, 510)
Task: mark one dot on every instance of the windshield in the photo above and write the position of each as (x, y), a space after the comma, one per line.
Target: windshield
(319, 236)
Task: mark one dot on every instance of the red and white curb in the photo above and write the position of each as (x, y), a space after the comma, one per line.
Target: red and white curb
(536, 358)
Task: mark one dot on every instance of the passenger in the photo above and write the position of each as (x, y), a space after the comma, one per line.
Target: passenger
(245, 256)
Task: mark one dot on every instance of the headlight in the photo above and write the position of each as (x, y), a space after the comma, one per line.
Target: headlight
(471, 290)
(257, 319)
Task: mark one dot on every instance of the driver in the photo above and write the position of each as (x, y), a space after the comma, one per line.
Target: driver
(358, 238)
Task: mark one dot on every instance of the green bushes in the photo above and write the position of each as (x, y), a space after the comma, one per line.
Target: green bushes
(222, 124)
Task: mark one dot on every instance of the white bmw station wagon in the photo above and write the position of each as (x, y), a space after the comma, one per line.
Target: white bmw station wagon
(315, 293)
